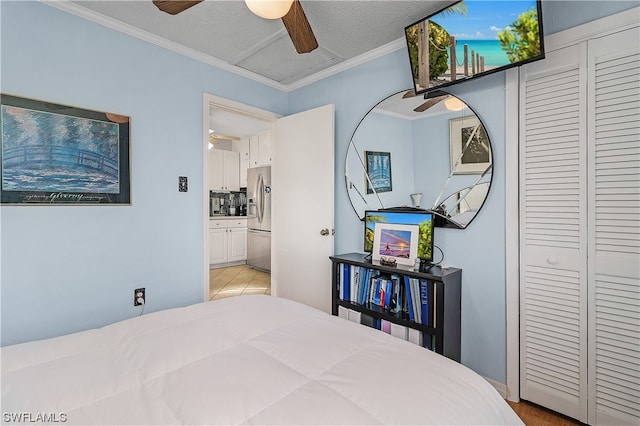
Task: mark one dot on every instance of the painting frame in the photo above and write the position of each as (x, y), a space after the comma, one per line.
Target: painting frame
(477, 157)
(400, 234)
(55, 154)
(379, 164)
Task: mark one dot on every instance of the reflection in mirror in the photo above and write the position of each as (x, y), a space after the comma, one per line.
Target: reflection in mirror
(437, 156)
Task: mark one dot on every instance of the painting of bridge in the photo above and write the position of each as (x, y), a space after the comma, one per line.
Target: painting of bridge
(57, 154)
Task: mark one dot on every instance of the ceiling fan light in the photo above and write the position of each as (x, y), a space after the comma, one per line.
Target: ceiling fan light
(454, 104)
(269, 9)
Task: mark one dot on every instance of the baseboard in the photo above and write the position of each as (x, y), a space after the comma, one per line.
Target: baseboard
(224, 265)
(500, 387)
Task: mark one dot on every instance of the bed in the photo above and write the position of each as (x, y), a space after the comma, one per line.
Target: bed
(241, 360)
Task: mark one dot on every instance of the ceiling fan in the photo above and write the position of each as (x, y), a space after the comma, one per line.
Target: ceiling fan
(431, 99)
(292, 14)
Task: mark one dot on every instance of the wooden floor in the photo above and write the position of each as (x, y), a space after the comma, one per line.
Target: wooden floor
(534, 415)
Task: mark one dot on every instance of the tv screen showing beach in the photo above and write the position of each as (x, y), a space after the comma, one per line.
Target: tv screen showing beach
(471, 39)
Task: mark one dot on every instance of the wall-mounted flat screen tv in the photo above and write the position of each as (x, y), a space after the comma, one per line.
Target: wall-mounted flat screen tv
(473, 38)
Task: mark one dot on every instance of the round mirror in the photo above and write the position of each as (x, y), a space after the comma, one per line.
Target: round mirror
(412, 152)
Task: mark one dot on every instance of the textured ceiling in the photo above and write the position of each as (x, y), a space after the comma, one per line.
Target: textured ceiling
(226, 31)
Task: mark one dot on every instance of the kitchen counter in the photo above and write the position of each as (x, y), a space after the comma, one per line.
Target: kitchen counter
(220, 216)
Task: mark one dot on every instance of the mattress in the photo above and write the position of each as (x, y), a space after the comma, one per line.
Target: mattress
(241, 360)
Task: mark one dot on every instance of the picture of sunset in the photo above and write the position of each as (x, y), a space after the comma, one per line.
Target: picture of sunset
(396, 243)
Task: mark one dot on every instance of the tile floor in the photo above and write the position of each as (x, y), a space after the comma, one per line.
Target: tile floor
(237, 280)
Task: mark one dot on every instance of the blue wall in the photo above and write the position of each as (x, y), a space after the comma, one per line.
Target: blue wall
(70, 268)
(478, 250)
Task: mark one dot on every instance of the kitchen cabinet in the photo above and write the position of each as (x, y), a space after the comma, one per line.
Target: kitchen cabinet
(242, 148)
(224, 170)
(260, 149)
(227, 240)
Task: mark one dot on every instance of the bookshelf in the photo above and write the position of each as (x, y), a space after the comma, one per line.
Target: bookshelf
(440, 329)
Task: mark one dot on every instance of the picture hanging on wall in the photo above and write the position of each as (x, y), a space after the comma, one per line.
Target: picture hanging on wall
(379, 171)
(469, 146)
(62, 155)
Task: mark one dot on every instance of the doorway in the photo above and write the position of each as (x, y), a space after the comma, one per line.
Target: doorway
(226, 123)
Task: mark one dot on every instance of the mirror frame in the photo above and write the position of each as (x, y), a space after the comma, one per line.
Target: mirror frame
(440, 220)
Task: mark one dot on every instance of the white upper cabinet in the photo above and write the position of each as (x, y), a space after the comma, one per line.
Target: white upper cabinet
(224, 170)
(260, 149)
(242, 148)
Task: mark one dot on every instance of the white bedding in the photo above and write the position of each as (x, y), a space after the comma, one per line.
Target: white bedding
(242, 360)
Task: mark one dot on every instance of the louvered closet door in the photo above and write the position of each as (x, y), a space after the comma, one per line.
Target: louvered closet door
(614, 214)
(553, 221)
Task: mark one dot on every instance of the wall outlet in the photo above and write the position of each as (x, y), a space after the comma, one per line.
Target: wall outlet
(138, 297)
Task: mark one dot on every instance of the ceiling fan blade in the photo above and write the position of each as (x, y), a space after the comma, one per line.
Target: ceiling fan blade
(431, 102)
(297, 25)
(173, 7)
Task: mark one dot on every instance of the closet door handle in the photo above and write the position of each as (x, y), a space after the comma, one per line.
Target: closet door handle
(552, 260)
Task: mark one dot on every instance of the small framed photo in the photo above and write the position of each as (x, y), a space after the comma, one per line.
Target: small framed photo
(379, 171)
(469, 146)
(397, 242)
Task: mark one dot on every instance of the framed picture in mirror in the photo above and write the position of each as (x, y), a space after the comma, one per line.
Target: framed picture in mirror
(469, 146)
(378, 171)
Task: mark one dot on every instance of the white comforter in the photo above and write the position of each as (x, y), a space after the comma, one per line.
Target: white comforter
(241, 360)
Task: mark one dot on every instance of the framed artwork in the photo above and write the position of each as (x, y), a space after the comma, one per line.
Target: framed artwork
(62, 155)
(378, 166)
(469, 146)
(395, 241)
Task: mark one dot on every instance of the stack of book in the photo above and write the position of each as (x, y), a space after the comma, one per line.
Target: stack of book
(402, 296)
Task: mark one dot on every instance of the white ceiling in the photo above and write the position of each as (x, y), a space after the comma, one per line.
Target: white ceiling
(227, 34)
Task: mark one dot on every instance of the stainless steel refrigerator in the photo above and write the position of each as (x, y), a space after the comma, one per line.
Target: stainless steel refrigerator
(259, 218)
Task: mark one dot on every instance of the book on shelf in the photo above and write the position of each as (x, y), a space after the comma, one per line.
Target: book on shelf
(354, 316)
(424, 301)
(343, 312)
(415, 298)
(385, 326)
(345, 278)
(398, 294)
(399, 331)
(409, 299)
(387, 293)
(355, 283)
(368, 320)
(415, 336)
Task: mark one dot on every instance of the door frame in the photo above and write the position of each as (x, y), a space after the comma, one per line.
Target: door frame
(209, 100)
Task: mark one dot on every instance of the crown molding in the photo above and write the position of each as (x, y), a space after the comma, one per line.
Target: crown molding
(122, 27)
(349, 63)
(133, 31)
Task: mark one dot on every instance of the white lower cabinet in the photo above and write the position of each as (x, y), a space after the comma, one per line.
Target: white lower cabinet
(227, 240)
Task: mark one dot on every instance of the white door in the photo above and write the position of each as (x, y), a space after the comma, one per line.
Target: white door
(614, 223)
(553, 224)
(302, 197)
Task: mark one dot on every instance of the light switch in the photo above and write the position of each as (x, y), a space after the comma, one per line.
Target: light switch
(182, 184)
